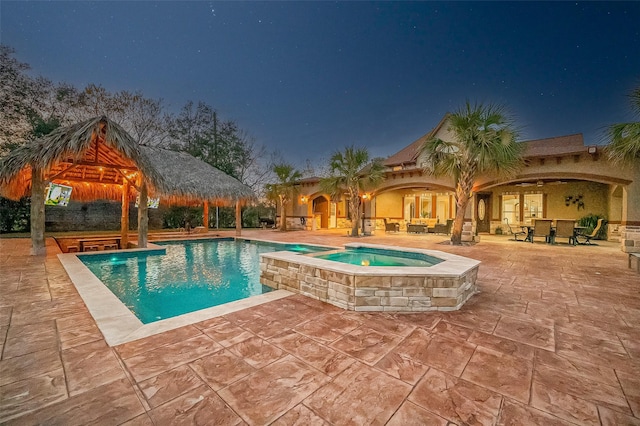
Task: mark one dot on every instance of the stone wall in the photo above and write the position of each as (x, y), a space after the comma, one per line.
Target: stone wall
(631, 239)
(634, 262)
(100, 215)
(354, 292)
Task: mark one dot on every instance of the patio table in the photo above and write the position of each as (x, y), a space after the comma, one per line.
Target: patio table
(85, 241)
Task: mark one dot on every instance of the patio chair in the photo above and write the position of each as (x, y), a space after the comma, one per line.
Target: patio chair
(444, 228)
(391, 226)
(541, 228)
(586, 239)
(565, 229)
(516, 230)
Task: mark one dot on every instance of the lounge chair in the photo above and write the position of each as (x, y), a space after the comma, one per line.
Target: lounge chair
(565, 229)
(443, 228)
(586, 239)
(516, 230)
(391, 226)
(541, 228)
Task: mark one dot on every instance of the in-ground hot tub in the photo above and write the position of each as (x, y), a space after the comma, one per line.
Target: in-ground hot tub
(445, 284)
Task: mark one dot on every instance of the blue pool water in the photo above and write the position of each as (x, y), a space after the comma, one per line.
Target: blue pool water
(192, 275)
(365, 256)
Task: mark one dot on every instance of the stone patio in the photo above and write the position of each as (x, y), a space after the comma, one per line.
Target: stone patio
(553, 338)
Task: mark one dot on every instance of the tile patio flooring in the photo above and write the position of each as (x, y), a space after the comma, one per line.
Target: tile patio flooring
(553, 338)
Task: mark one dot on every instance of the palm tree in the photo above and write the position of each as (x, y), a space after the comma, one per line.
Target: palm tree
(285, 189)
(625, 137)
(484, 142)
(352, 172)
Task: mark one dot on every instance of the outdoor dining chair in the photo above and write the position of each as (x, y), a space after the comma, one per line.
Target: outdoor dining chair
(565, 229)
(541, 228)
(516, 230)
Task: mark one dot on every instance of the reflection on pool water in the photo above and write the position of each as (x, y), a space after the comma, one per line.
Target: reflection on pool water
(365, 256)
(192, 275)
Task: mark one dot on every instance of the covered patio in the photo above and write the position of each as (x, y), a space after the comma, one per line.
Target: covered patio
(549, 340)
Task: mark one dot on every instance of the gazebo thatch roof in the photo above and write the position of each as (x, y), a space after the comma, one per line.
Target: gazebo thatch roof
(188, 179)
(95, 157)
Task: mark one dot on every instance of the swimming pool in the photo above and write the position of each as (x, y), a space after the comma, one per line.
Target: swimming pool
(367, 256)
(190, 276)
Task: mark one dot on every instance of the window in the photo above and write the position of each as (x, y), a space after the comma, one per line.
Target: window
(511, 207)
(425, 206)
(532, 207)
(442, 207)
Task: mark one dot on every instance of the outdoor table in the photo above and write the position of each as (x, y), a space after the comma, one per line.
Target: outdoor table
(417, 228)
(82, 242)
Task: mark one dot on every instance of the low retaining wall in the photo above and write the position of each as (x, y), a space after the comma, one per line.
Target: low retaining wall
(634, 262)
(631, 239)
(443, 287)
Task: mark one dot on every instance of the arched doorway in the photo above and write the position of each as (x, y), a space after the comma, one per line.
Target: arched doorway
(321, 211)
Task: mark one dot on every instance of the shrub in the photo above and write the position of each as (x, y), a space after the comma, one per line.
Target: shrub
(590, 221)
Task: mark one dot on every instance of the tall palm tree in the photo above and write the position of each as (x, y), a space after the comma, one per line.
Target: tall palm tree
(625, 137)
(483, 142)
(284, 190)
(352, 172)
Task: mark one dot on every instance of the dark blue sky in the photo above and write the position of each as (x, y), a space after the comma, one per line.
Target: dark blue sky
(309, 78)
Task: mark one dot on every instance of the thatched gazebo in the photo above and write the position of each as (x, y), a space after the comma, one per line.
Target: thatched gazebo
(100, 160)
(188, 179)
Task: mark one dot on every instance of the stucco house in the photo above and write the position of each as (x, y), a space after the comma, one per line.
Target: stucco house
(563, 178)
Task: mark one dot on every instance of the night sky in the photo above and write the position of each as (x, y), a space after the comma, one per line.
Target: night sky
(310, 78)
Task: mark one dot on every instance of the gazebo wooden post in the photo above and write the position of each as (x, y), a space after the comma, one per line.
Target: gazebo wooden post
(38, 247)
(238, 218)
(124, 218)
(143, 216)
(205, 215)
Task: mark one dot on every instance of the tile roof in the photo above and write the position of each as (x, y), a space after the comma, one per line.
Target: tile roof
(410, 153)
(548, 147)
(560, 145)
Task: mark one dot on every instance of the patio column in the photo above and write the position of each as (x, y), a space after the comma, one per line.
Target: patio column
(37, 212)
(143, 216)
(205, 215)
(238, 218)
(124, 218)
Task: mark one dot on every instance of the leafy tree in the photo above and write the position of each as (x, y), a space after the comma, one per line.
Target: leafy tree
(29, 107)
(15, 86)
(625, 137)
(255, 167)
(285, 189)
(353, 172)
(178, 216)
(144, 119)
(189, 129)
(15, 215)
(483, 142)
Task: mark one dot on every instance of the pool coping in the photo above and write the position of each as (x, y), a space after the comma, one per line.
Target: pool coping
(451, 266)
(118, 324)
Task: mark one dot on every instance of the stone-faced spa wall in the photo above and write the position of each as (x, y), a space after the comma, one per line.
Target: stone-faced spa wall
(364, 292)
